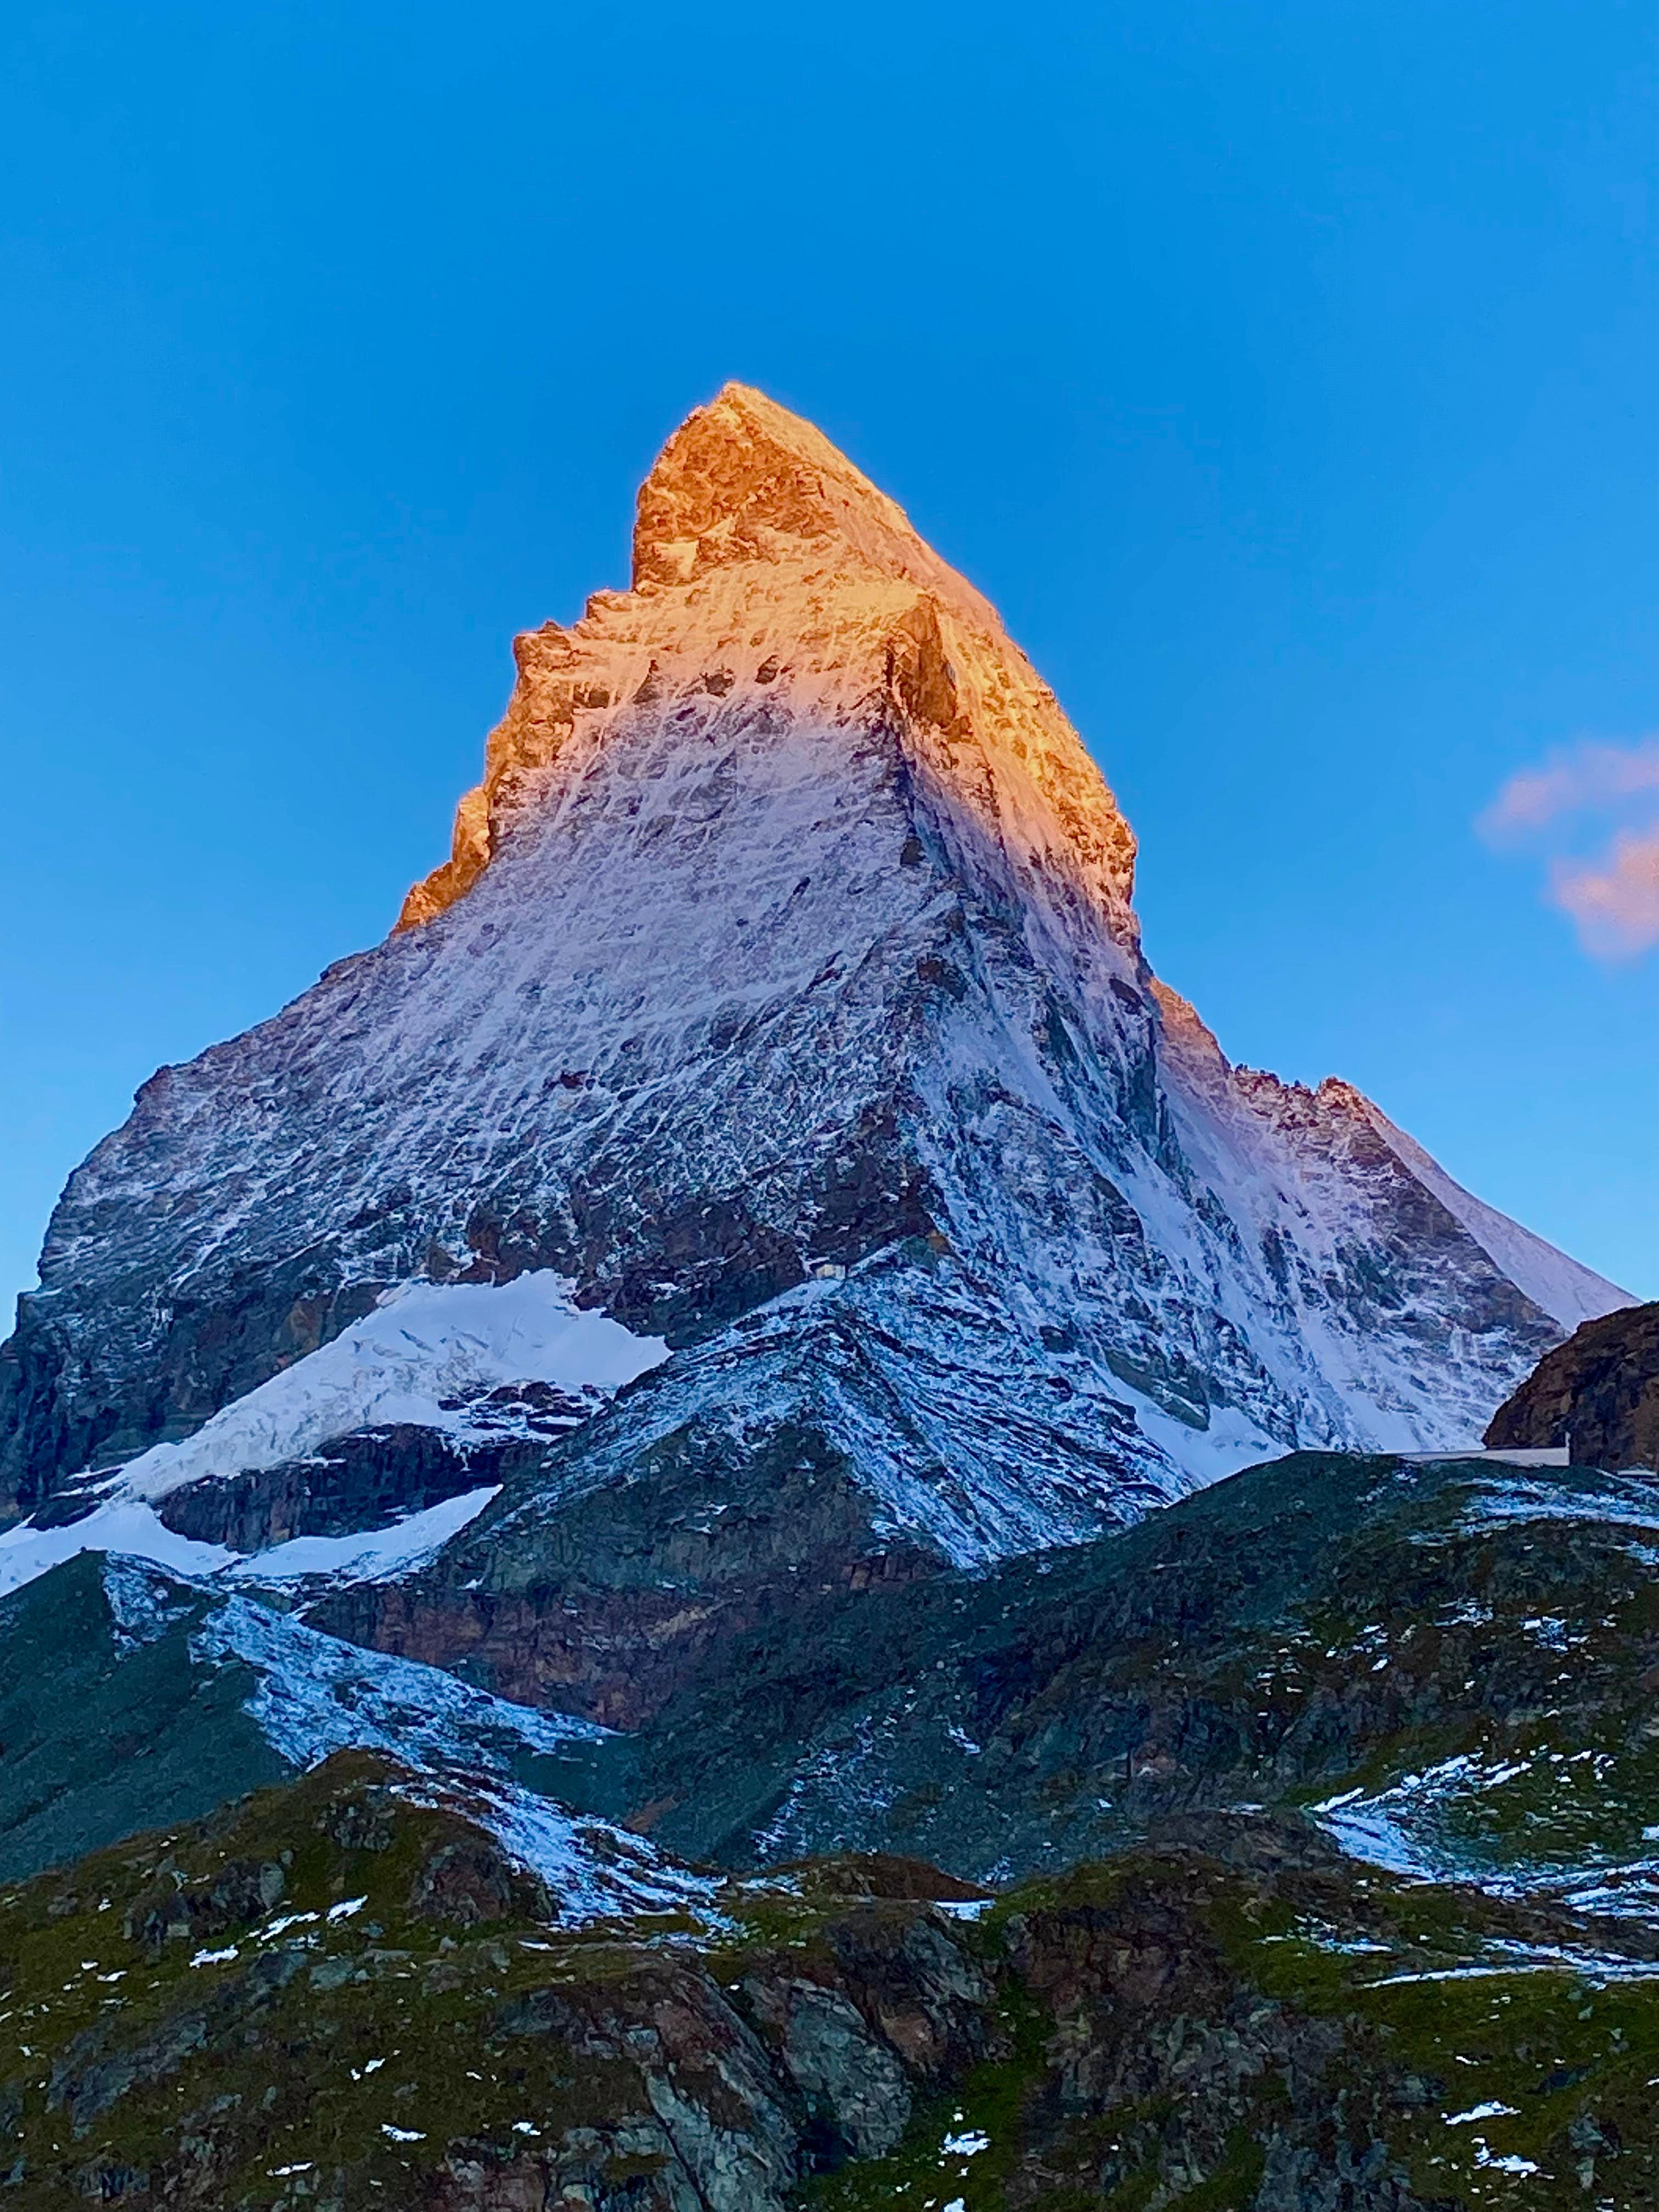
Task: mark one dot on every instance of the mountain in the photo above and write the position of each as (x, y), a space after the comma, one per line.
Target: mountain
(1597, 1395)
(545, 1483)
(782, 1012)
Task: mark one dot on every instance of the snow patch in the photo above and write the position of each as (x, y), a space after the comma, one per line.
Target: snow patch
(1511, 2162)
(317, 1695)
(124, 1526)
(373, 1556)
(1626, 1501)
(425, 1346)
(1405, 1830)
(143, 1606)
(132, 1534)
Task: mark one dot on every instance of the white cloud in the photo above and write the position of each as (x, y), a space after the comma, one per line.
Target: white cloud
(1583, 778)
(1614, 900)
(1611, 893)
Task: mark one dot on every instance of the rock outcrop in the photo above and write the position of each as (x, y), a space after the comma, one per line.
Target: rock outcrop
(1597, 1395)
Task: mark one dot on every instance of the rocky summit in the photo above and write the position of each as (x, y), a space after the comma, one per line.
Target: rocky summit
(733, 1528)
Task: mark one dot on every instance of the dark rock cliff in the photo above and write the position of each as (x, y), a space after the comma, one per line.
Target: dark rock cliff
(1598, 1394)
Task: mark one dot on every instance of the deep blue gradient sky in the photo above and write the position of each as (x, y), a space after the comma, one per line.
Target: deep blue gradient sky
(1283, 369)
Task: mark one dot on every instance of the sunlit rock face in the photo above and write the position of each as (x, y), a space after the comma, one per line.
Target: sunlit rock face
(783, 995)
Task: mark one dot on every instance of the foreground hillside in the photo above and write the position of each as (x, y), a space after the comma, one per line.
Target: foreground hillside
(1292, 1849)
(337, 1996)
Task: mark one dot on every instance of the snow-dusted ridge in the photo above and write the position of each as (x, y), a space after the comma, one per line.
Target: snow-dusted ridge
(1568, 1291)
(313, 1696)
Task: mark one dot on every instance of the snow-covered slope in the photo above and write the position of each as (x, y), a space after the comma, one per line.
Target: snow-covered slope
(1559, 1287)
(426, 1355)
(791, 929)
(431, 1357)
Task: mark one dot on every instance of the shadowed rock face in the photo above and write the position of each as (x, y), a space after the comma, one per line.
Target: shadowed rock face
(791, 926)
(360, 1481)
(1598, 1393)
(622, 1600)
(1306, 1629)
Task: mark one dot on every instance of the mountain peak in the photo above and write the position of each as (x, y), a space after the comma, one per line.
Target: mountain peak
(776, 588)
(742, 479)
(785, 965)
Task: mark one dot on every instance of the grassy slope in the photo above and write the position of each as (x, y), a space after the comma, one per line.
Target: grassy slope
(1199, 2023)
(101, 1734)
(1316, 1625)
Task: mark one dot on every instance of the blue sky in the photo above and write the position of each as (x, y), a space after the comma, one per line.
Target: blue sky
(1285, 372)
